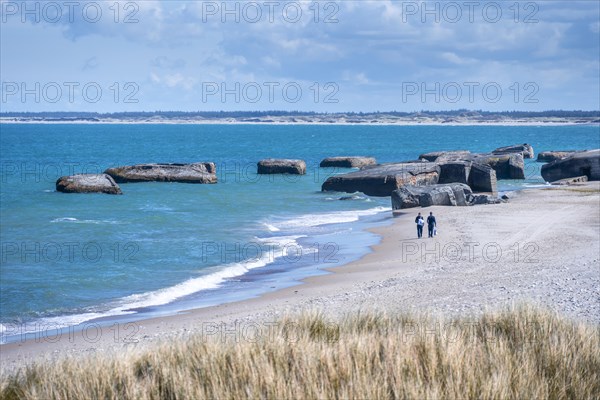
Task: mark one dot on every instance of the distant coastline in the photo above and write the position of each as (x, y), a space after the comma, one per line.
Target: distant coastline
(459, 117)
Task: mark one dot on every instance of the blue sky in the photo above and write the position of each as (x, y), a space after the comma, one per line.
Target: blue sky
(325, 56)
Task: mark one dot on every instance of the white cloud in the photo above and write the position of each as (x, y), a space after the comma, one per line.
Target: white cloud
(359, 78)
(271, 62)
(452, 58)
(173, 48)
(179, 80)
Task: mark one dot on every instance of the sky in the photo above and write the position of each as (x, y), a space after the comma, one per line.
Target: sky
(323, 56)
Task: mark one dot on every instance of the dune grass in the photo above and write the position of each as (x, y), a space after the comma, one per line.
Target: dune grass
(520, 353)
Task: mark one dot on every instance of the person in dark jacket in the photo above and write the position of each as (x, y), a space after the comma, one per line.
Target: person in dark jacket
(420, 222)
(431, 224)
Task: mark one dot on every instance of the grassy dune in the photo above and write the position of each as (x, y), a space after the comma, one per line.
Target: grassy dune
(523, 353)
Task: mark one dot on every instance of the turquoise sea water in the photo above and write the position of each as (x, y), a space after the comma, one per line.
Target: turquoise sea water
(163, 247)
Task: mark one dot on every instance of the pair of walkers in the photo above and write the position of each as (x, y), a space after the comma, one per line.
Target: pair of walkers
(431, 225)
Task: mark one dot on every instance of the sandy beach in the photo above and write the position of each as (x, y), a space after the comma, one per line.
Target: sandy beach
(541, 247)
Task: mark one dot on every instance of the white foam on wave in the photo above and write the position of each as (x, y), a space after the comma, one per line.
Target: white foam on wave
(339, 217)
(64, 321)
(280, 240)
(190, 286)
(535, 185)
(271, 228)
(210, 281)
(84, 221)
(65, 219)
(154, 208)
(49, 324)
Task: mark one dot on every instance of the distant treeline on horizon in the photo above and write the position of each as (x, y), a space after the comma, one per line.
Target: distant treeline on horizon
(275, 113)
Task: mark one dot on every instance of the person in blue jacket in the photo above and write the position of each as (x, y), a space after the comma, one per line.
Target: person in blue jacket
(431, 224)
(420, 222)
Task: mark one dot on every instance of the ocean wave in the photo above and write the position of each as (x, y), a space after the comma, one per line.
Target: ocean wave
(352, 197)
(271, 228)
(84, 221)
(65, 219)
(49, 324)
(338, 217)
(129, 304)
(210, 281)
(154, 208)
(536, 185)
(218, 275)
(280, 241)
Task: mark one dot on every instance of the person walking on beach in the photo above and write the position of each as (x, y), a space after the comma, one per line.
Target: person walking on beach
(431, 224)
(420, 222)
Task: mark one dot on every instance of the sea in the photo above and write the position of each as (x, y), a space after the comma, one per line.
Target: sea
(71, 260)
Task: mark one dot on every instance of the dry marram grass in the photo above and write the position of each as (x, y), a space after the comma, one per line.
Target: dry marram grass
(522, 353)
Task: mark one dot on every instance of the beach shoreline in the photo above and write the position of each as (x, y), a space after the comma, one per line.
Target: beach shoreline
(534, 249)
